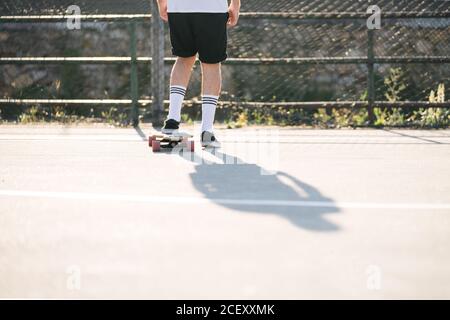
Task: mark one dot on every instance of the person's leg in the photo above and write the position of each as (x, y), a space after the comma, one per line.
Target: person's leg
(211, 87)
(179, 80)
(211, 31)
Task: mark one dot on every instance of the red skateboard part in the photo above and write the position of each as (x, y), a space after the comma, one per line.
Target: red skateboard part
(156, 146)
(150, 140)
(191, 146)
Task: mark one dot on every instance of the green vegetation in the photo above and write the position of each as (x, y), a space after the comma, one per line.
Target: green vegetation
(434, 117)
(238, 116)
(114, 117)
(33, 114)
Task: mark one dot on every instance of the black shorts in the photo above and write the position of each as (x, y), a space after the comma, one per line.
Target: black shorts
(202, 33)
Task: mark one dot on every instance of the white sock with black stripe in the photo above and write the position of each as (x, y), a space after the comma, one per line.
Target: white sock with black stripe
(177, 94)
(209, 104)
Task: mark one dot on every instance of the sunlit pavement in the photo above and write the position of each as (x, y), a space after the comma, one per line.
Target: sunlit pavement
(91, 212)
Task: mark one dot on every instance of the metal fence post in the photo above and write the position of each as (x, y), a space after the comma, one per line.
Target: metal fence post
(157, 77)
(134, 77)
(371, 75)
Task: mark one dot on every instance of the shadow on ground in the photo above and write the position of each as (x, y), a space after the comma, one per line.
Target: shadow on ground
(243, 181)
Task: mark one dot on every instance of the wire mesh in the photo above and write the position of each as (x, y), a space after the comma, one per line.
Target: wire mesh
(37, 7)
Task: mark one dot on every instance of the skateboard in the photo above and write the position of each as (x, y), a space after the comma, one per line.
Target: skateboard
(161, 141)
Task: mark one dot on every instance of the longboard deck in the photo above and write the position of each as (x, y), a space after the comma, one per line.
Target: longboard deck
(160, 140)
(172, 135)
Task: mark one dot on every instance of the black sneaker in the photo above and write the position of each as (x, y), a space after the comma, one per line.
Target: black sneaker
(209, 140)
(170, 126)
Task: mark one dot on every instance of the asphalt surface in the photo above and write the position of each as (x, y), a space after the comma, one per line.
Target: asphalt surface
(278, 213)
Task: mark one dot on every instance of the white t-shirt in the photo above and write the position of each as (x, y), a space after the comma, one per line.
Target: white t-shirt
(212, 6)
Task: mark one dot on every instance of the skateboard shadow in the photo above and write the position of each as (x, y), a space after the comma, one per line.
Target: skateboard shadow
(230, 184)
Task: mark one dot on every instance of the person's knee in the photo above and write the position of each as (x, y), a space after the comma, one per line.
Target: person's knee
(211, 66)
(187, 60)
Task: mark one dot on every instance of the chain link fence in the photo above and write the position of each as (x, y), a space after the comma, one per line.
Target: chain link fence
(54, 7)
(287, 58)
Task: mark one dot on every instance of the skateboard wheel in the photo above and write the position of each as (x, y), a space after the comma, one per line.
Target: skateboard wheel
(156, 146)
(150, 140)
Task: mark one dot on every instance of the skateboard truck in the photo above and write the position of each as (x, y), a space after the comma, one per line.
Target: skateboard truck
(158, 142)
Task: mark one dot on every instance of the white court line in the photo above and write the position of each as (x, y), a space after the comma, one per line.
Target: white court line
(200, 200)
(71, 137)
